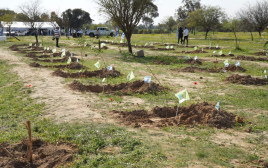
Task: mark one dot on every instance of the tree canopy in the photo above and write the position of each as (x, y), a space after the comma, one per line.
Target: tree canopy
(255, 16)
(207, 18)
(75, 18)
(127, 14)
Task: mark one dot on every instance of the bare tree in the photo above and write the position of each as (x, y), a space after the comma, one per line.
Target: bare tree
(126, 14)
(33, 12)
(256, 16)
(233, 25)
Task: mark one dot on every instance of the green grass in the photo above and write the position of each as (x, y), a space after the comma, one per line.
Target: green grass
(182, 146)
(16, 107)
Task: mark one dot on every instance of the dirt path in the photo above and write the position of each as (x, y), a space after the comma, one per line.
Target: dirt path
(62, 104)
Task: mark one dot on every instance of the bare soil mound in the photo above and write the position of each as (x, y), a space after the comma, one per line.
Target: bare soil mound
(196, 69)
(67, 53)
(212, 48)
(193, 52)
(246, 80)
(14, 47)
(196, 114)
(260, 54)
(33, 55)
(192, 61)
(248, 58)
(143, 46)
(74, 65)
(162, 49)
(65, 59)
(223, 55)
(103, 73)
(231, 68)
(45, 155)
(123, 88)
(234, 68)
(161, 62)
(169, 44)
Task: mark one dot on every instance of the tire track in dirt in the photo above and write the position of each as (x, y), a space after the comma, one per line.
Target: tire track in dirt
(62, 104)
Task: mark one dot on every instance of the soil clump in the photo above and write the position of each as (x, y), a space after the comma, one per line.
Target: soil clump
(122, 89)
(45, 155)
(196, 114)
(246, 80)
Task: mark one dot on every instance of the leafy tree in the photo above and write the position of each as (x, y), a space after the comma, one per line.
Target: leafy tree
(54, 17)
(207, 18)
(32, 12)
(75, 18)
(150, 15)
(170, 23)
(45, 17)
(256, 16)
(188, 6)
(20, 17)
(126, 14)
(8, 19)
(6, 12)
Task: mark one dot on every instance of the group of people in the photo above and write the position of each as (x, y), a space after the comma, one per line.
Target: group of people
(183, 35)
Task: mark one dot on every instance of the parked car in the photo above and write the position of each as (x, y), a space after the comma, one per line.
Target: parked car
(101, 31)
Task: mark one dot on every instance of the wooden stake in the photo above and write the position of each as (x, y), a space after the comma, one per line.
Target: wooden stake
(30, 143)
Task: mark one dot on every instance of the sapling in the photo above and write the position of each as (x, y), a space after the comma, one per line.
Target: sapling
(265, 50)
(215, 63)
(82, 44)
(30, 143)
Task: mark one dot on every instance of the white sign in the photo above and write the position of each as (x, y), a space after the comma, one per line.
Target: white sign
(147, 79)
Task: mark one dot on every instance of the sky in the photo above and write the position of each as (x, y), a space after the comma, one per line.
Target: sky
(166, 8)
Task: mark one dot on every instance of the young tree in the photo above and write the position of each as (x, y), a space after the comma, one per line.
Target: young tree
(246, 25)
(170, 23)
(32, 12)
(233, 25)
(256, 15)
(126, 14)
(207, 18)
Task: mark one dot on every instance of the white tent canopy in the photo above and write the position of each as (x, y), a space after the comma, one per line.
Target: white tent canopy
(24, 26)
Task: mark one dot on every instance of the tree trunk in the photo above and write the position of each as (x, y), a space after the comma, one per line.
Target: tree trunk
(260, 33)
(129, 44)
(9, 31)
(36, 38)
(251, 35)
(236, 45)
(206, 35)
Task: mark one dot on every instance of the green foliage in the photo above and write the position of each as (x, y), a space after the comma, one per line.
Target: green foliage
(75, 18)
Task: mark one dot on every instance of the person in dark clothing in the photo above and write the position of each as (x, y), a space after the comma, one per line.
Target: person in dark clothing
(57, 36)
(186, 35)
(180, 36)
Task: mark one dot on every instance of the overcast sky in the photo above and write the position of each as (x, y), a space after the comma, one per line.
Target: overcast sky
(166, 8)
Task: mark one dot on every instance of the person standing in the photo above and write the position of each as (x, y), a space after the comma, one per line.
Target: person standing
(57, 36)
(186, 35)
(180, 35)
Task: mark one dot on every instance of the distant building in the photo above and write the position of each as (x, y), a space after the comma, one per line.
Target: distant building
(24, 28)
